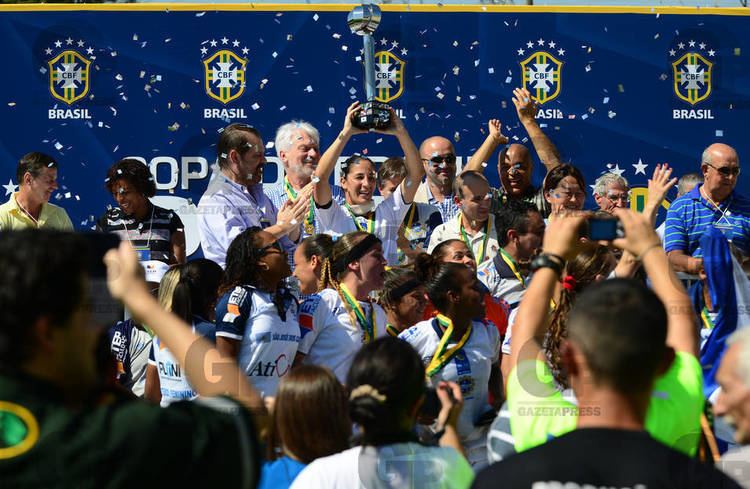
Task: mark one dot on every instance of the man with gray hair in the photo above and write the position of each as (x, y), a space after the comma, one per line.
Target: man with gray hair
(611, 191)
(685, 184)
(298, 148)
(733, 403)
(714, 203)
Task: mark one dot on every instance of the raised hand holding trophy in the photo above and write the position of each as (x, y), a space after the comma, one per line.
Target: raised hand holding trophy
(363, 21)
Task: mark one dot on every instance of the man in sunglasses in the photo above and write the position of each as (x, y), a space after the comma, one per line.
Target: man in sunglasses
(439, 160)
(515, 165)
(611, 191)
(714, 203)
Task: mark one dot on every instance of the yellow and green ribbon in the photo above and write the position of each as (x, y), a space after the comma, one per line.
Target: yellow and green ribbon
(370, 217)
(443, 354)
(292, 194)
(368, 326)
(513, 266)
(483, 250)
(392, 330)
(706, 318)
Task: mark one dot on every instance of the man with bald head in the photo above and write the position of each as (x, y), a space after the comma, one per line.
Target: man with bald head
(515, 165)
(714, 203)
(439, 160)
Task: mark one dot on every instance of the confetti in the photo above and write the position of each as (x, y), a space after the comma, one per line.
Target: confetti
(336, 35)
(309, 89)
(606, 100)
(274, 54)
(490, 70)
(509, 79)
(737, 51)
(316, 17)
(611, 114)
(315, 179)
(11, 104)
(282, 108)
(719, 133)
(58, 146)
(620, 88)
(255, 106)
(200, 14)
(476, 63)
(331, 110)
(440, 96)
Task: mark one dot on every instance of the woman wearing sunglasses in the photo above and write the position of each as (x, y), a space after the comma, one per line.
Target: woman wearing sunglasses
(359, 181)
(457, 347)
(256, 317)
(339, 319)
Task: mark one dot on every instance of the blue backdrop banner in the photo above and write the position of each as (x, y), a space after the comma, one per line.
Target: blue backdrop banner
(621, 89)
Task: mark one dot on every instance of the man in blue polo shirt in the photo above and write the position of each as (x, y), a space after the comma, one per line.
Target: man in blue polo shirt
(715, 203)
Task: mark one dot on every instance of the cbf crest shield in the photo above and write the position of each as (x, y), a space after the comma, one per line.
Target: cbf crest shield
(542, 76)
(224, 75)
(389, 76)
(692, 77)
(69, 76)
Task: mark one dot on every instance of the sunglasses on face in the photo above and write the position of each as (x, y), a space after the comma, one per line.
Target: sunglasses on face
(438, 160)
(273, 246)
(726, 171)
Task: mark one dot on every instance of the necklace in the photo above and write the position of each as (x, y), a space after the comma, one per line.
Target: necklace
(716, 206)
(148, 242)
(36, 221)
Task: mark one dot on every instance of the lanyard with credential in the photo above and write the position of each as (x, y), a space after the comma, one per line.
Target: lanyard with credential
(392, 330)
(368, 327)
(443, 354)
(292, 194)
(513, 266)
(707, 322)
(410, 218)
(465, 237)
(370, 217)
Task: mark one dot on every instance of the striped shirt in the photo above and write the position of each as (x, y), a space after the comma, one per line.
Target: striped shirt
(151, 237)
(690, 215)
(448, 207)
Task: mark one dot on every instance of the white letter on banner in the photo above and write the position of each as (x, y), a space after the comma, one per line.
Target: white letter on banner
(174, 172)
(187, 175)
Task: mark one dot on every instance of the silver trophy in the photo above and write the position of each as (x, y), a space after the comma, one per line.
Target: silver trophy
(363, 21)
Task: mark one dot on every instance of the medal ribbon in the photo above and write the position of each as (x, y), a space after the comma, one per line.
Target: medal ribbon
(443, 354)
(707, 322)
(513, 266)
(410, 219)
(465, 237)
(370, 216)
(368, 327)
(292, 194)
(391, 329)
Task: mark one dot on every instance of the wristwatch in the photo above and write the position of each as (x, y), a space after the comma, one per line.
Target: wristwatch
(548, 260)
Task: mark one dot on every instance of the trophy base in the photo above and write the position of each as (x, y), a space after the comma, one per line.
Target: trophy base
(373, 115)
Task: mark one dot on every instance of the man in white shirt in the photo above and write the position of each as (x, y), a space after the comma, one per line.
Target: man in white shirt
(473, 224)
(234, 199)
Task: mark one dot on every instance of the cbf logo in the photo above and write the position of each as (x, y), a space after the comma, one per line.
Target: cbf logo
(224, 73)
(389, 76)
(541, 70)
(692, 76)
(69, 75)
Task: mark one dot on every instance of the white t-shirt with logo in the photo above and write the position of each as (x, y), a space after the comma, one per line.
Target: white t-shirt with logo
(400, 465)
(173, 384)
(329, 338)
(470, 368)
(268, 341)
(389, 214)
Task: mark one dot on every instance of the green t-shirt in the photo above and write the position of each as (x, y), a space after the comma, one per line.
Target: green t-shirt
(125, 443)
(538, 411)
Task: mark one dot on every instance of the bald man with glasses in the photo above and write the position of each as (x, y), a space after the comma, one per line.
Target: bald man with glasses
(714, 203)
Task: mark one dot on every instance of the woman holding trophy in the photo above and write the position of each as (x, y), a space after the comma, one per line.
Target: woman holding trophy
(359, 181)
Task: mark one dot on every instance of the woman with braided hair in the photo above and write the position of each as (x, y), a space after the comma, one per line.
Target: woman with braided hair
(256, 317)
(386, 391)
(457, 347)
(338, 320)
(593, 263)
(309, 257)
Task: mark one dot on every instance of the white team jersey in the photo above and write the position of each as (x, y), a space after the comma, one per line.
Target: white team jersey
(389, 215)
(390, 466)
(469, 368)
(268, 342)
(329, 338)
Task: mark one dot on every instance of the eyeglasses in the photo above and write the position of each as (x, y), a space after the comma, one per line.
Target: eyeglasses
(437, 160)
(273, 246)
(565, 194)
(726, 171)
(625, 198)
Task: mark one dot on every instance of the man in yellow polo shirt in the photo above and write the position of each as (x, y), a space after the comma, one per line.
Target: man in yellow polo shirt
(30, 207)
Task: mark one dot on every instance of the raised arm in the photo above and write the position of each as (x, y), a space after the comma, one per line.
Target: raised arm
(326, 165)
(642, 241)
(560, 241)
(526, 110)
(658, 186)
(208, 372)
(491, 142)
(414, 168)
